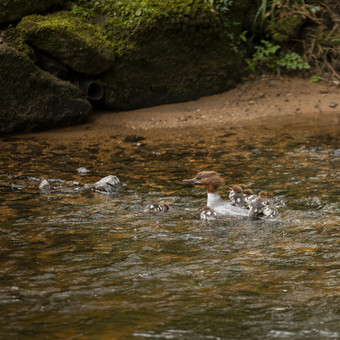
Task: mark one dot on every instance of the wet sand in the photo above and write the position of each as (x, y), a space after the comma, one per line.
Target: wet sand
(252, 104)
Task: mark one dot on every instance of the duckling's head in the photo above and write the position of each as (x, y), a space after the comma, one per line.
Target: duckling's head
(263, 195)
(237, 189)
(165, 205)
(248, 192)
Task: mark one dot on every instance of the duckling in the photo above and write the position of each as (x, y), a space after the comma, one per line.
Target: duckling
(270, 211)
(157, 207)
(208, 214)
(257, 206)
(249, 197)
(236, 196)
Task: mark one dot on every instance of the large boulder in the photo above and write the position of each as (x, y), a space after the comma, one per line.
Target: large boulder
(172, 51)
(34, 99)
(14, 10)
(71, 40)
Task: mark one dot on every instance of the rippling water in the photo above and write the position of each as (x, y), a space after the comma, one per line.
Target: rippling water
(80, 265)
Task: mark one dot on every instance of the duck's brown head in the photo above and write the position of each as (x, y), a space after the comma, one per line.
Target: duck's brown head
(211, 179)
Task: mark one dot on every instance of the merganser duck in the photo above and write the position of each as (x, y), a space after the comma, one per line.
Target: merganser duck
(236, 196)
(157, 207)
(257, 206)
(208, 214)
(249, 197)
(212, 180)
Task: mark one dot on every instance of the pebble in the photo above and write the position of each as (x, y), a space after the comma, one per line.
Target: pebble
(44, 185)
(108, 184)
(82, 171)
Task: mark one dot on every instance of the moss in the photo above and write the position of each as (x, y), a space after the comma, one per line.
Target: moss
(285, 29)
(15, 39)
(164, 50)
(176, 51)
(34, 99)
(126, 23)
(76, 43)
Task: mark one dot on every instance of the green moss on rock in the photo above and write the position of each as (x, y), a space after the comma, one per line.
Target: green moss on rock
(174, 51)
(34, 99)
(16, 40)
(285, 29)
(74, 42)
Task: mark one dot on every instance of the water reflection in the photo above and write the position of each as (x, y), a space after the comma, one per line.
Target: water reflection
(77, 264)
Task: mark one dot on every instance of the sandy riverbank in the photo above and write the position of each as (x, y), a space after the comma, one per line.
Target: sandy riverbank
(252, 103)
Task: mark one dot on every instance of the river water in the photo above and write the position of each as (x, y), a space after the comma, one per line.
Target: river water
(76, 264)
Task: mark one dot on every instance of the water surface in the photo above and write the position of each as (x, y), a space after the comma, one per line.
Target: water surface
(81, 265)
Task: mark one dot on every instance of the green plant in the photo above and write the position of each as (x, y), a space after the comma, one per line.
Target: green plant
(82, 7)
(221, 6)
(315, 79)
(264, 55)
(267, 55)
(260, 15)
(291, 61)
(274, 10)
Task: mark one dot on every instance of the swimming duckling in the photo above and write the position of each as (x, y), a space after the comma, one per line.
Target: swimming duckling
(208, 214)
(249, 197)
(257, 206)
(157, 207)
(236, 196)
(270, 211)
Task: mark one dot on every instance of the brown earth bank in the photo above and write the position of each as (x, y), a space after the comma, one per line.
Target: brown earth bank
(252, 104)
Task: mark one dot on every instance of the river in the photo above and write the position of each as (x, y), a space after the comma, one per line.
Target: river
(77, 264)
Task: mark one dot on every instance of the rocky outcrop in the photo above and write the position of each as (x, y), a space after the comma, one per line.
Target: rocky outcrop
(180, 51)
(34, 99)
(122, 56)
(72, 41)
(14, 10)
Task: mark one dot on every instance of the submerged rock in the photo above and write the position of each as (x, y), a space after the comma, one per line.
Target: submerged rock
(82, 171)
(34, 99)
(44, 185)
(109, 184)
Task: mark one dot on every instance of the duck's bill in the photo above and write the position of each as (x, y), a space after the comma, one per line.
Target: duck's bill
(192, 180)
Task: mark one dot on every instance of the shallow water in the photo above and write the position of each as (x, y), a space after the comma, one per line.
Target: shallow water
(81, 265)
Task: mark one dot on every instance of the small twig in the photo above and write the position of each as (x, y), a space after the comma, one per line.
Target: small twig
(331, 32)
(332, 70)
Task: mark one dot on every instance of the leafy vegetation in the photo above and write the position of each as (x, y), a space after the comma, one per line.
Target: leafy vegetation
(308, 26)
(267, 54)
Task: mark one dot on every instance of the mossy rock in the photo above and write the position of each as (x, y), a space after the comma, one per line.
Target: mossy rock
(14, 10)
(74, 42)
(285, 29)
(179, 51)
(13, 37)
(34, 99)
